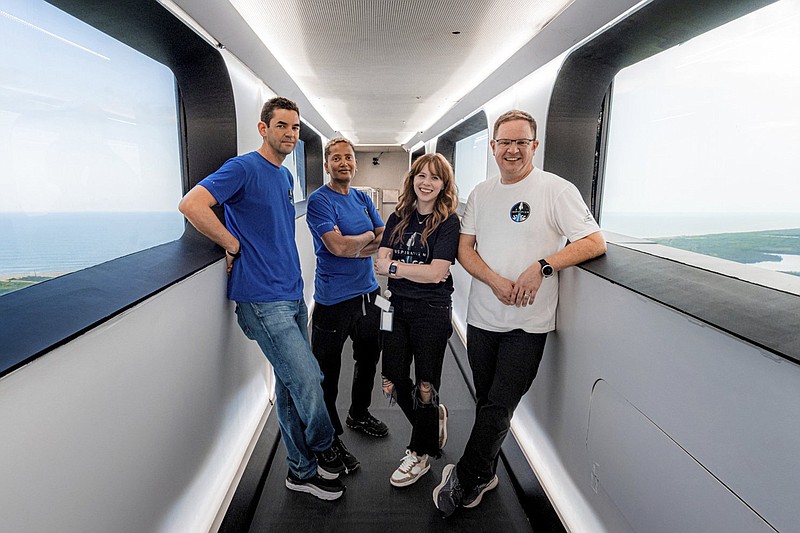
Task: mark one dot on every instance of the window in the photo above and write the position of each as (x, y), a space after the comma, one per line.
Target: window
(90, 164)
(296, 162)
(470, 162)
(702, 141)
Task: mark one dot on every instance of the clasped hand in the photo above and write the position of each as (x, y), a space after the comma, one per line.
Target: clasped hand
(520, 293)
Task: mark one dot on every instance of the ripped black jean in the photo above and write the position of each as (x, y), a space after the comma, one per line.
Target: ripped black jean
(419, 335)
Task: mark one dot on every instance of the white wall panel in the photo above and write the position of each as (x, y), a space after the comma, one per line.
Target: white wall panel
(727, 405)
(138, 425)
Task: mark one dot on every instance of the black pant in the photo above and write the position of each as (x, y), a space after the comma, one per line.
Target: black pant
(504, 365)
(420, 332)
(359, 319)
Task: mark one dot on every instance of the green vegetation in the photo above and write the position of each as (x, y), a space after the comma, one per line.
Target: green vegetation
(748, 247)
(13, 284)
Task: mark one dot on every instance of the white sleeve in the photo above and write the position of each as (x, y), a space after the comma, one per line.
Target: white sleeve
(573, 218)
(468, 220)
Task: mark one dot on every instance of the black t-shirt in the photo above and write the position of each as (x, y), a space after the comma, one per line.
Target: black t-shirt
(442, 243)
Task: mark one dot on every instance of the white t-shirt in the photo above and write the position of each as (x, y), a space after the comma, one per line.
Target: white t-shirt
(515, 226)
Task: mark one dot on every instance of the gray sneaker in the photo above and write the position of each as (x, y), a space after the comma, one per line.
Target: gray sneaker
(448, 495)
(474, 497)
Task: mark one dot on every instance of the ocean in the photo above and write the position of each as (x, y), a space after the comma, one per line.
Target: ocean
(651, 225)
(59, 243)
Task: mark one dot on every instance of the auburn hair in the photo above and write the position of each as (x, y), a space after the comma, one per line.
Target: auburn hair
(445, 204)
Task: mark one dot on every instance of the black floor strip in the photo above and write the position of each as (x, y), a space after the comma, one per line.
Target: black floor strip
(262, 502)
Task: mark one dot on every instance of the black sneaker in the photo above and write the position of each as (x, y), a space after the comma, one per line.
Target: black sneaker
(349, 460)
(324, 489)
(368, 424)
(448, 495)
(474, 497)
(329, 465)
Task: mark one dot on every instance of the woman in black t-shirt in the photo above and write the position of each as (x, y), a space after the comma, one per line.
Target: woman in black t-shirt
(419, 244)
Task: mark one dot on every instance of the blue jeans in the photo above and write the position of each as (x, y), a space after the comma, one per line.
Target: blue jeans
(280, 329)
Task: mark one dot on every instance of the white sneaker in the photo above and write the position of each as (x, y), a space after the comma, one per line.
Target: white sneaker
(410, 470)
(442, 426)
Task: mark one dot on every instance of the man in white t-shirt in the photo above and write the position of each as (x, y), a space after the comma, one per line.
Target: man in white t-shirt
(513, 237)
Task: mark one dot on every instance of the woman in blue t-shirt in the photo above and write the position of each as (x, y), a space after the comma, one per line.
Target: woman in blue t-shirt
(419, 244)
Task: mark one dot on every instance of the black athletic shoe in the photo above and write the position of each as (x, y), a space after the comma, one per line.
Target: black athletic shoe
(324, 489)
(476, 495)
(349, 460)
(368, 424)
(448, 495)
(329, 465)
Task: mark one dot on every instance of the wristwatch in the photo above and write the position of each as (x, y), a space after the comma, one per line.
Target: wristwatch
(236, 255)
(547, 269)
(393, 269)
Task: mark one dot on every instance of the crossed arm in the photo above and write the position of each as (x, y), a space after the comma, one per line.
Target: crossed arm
(361, 245)
(522, 291)
(438, 270)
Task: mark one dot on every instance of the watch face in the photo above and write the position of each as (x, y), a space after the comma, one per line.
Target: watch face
(547, 271)
(393, 269)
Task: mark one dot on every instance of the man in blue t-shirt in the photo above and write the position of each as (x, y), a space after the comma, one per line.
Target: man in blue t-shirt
(266, 283)
(347, 229)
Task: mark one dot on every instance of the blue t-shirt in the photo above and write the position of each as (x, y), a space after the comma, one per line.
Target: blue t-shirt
(341, 278)
(259, 210)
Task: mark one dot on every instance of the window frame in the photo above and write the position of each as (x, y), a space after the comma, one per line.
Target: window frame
(446, 143)
(37, 319)
(574, 149)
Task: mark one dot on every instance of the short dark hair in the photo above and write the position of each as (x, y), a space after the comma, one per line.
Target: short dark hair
(279, 102)
(514, 114)
(334, 141)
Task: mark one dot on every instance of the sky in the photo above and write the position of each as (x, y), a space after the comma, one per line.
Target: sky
(711, 126)
(86, 123)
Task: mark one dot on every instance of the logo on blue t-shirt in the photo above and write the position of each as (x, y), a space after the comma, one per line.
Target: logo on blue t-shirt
(520, 212)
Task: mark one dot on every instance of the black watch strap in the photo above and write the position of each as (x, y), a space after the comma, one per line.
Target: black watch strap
(547, 268)
(236, 255)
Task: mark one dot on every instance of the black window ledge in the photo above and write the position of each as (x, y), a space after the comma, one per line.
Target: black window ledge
(765, 317)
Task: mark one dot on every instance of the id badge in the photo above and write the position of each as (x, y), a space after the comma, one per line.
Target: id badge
(387, 317)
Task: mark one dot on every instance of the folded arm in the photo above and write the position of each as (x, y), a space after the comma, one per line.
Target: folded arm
(347, 245)
(437, 271)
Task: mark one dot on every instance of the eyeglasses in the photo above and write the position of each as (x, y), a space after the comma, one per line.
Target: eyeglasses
(521, 143)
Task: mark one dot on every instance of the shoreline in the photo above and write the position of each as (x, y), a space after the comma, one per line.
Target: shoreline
(20, 276)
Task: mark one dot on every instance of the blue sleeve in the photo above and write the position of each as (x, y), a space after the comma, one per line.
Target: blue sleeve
(446, 246)
(320, 215)
(226, 182)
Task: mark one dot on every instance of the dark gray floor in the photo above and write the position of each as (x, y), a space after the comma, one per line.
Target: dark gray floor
(370, 502)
